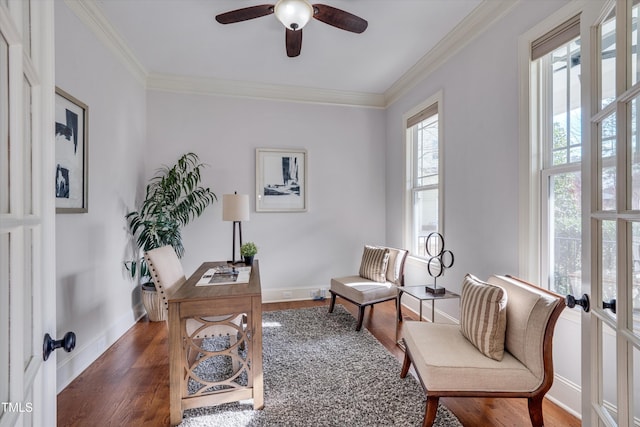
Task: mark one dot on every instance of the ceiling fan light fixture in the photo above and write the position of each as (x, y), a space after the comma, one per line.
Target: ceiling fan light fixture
(294, 14)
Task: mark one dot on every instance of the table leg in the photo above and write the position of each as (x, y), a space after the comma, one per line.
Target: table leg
(433, 311)
(175, 365)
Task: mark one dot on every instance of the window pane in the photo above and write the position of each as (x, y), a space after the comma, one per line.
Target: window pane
(4, 126)
(566, 138)
(566, 232)
(426, 157)
(608, 259)
(425, 211)
(607, 60)
(608, 163)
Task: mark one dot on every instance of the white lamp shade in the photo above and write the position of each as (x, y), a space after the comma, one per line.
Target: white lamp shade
(235, 207)
(294, 14)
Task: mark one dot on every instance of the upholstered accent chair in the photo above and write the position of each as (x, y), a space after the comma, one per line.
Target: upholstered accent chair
(520, 315)
(381, 272)
(167, 275)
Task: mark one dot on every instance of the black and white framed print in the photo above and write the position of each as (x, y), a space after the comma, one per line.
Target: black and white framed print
(281, 180)
(72, 118)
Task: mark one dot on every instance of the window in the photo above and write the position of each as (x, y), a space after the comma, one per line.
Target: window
(556, 114)
(424, 168)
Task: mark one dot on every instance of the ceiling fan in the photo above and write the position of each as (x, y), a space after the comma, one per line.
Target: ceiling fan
(294, 15)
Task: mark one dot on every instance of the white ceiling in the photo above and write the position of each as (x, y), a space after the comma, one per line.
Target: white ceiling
(181, 37)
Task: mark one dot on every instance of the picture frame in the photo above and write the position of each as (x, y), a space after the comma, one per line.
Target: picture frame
(281, 180)
(72, 148)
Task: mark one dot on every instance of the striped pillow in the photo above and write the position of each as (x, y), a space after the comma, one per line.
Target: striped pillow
(483, 316)
(374, 264)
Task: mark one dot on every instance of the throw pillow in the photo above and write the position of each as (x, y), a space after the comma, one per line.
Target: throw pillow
(483, 316)
(374, 263)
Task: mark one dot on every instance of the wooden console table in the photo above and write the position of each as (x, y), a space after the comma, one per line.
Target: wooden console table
(195, 310)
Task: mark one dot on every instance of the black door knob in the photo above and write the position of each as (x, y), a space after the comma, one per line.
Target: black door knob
(583, 302)
(68, 342)
(611, 305)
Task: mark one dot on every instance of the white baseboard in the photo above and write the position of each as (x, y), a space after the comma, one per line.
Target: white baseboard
(567, 395)
(297, 294)
(80, 359)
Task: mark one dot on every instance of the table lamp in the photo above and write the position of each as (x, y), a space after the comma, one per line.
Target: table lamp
(235, 207)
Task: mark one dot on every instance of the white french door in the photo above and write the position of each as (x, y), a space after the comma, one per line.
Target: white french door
(27, 212)
(611, 374)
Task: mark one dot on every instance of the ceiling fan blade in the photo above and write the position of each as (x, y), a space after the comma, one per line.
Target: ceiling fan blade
(294, 42)
(245, 14)
(339, 18)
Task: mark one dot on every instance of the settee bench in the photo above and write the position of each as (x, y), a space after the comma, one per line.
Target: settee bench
(449, 364)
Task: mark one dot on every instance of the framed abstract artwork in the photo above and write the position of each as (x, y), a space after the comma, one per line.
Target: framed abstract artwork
(281, 180)
(72, 169)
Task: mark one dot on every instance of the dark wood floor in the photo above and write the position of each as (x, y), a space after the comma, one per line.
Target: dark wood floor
(129, 384)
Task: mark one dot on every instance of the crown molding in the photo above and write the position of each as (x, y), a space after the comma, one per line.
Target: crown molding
(92, 16)
(479, 20)
(219, 87)
(475, 23)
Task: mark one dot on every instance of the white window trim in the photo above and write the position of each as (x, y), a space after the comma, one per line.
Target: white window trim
(408, 169)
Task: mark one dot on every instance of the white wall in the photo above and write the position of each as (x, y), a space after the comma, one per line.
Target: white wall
(95, 299)
(346, 182)
(356, 178)
(481, 156)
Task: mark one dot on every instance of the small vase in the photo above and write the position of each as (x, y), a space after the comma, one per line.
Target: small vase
(248, 260)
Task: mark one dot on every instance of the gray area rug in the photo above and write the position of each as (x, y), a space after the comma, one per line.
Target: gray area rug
(318, 371)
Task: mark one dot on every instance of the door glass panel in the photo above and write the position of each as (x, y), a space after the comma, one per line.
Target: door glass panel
(634, 43)
(28, 149)
(27, 288)
(609, 374)
(635, 265)
(609, 261)
(4, 318)
(634, 158)
(608, 60)
(608, 163)
(26, 26)
(4, 126)
(636, 386)
(564, 256)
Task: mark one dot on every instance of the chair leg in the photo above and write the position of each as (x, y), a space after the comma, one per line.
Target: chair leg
(405, 365)
(333, 302)
(535, 411)
(430, 412)
(360, 316)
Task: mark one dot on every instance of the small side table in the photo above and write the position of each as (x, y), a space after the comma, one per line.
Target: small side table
(421, 294)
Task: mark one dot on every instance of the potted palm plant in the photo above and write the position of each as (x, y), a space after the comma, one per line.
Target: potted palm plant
(173, 198)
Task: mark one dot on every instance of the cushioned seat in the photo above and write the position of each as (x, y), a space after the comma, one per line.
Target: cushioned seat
(471, 370)
(359, 290)
(450, 360)
(381, 272)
